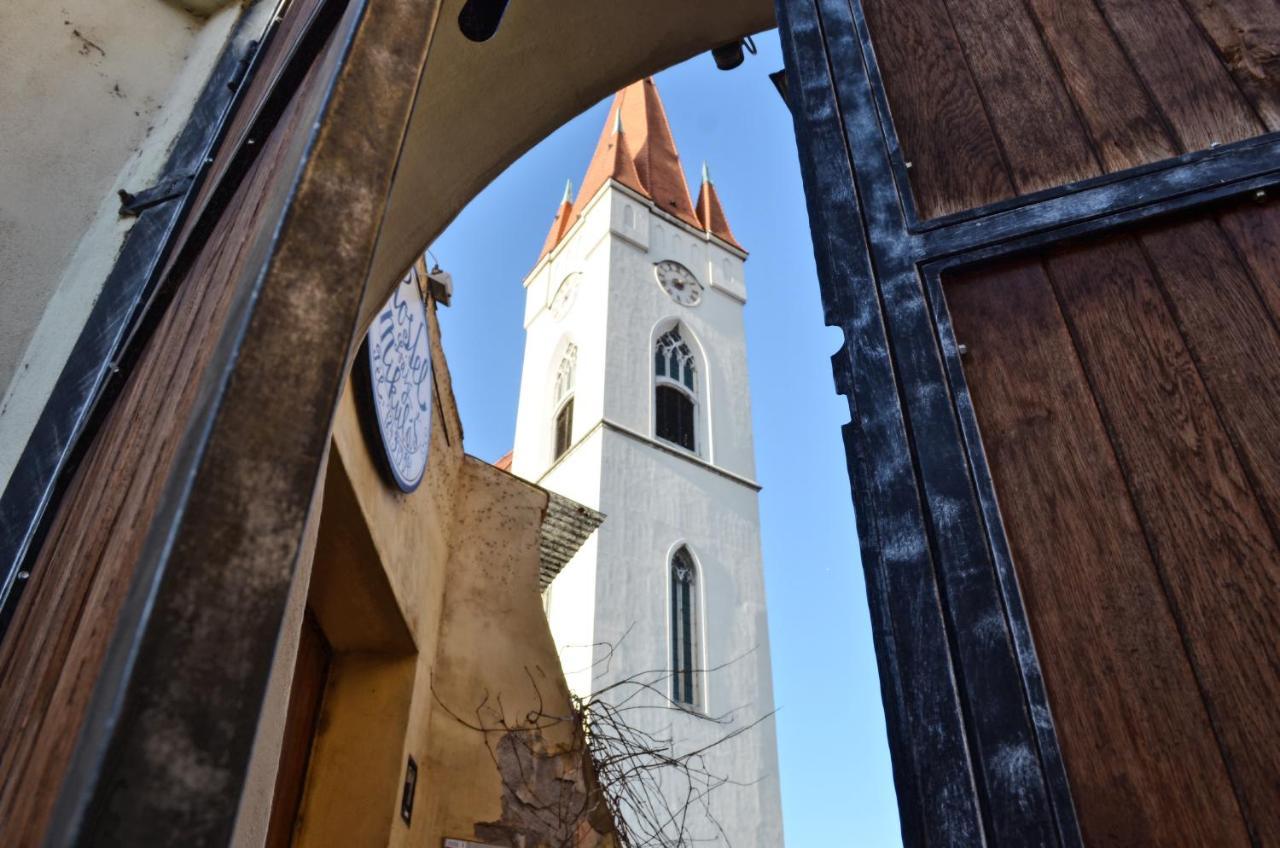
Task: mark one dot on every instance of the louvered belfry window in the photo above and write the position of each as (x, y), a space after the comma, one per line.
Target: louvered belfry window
(684, 648)
(675, 381)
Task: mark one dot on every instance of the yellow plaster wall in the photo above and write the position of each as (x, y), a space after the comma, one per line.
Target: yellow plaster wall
(357, 762)
(429, 600)
(376, 583)
(497, 673)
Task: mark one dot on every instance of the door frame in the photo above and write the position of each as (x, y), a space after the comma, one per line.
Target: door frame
(350, 78)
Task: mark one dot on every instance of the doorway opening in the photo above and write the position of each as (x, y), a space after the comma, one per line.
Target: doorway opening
(533, 276)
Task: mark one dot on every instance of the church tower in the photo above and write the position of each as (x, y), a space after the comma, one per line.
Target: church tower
(634, 400)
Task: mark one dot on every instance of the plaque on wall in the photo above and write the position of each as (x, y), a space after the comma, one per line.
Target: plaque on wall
(397, 373)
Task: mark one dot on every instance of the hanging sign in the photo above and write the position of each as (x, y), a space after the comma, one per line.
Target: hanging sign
(399, 370)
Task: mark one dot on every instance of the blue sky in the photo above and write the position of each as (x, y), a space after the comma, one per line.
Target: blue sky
(837, 788)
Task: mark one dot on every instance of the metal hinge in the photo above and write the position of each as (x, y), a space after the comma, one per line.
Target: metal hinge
(242, 67)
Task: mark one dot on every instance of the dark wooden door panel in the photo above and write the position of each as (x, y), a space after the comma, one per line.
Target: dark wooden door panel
(1012, 69)
(1139, 746)
(996, 98)
(1254, 231)
(1245, 33)
(1120, 117)
(1187, 77)
(1217, 556)
(1118, 407)
(1232, 337)
(937, 109)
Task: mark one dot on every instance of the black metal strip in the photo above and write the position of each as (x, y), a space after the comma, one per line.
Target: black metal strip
(936, 791)
(86, 383)
(1084, 226)
(1015, 613)
(898, 165)
(289, 74)
(1002, 740)
(1205, 180)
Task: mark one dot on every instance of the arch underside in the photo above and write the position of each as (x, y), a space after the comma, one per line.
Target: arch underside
(480, 106)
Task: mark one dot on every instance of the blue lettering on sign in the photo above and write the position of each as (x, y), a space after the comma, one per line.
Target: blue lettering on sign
(400, 378)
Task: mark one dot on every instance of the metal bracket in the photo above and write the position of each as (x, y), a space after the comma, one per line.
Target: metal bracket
(170, 188)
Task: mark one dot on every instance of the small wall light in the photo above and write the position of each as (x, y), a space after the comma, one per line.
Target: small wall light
(440, 285)
(729, 56)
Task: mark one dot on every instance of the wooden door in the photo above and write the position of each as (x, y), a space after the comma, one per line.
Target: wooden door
(1128, 392)
(1046, 229)
(306, 696)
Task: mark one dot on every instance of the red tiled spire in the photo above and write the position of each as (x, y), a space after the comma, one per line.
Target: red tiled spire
(613, 160)
(711, 213)
(656, 161)
(637, 150)
(564, 214)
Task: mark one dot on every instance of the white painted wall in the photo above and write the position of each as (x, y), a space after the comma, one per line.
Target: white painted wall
(616, 590)
(656, 502)
(93, 94)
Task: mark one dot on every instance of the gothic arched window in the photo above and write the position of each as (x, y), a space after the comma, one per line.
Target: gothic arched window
(684, 629)
(675, 379)
(563, 402)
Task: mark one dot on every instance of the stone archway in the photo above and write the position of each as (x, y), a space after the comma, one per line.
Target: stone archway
(481, 106)
(366, 128)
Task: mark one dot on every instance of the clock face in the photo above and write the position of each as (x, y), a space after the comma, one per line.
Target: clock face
(563, 300)
(678, 281)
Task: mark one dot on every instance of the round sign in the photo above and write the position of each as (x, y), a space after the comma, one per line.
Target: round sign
(400, 382)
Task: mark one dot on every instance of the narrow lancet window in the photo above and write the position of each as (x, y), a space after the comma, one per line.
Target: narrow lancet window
(563, 403)
(675, 380)
(684, 648)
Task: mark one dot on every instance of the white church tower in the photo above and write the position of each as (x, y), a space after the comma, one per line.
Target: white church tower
(634, 400)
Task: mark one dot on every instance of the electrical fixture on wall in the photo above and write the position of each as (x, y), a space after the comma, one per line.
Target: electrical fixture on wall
(440, 285)
(729, 56)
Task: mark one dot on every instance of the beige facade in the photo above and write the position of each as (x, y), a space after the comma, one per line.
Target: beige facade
(440, 652)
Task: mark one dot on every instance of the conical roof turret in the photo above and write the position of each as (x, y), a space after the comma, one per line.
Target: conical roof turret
(711, 213)
(564, 216)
